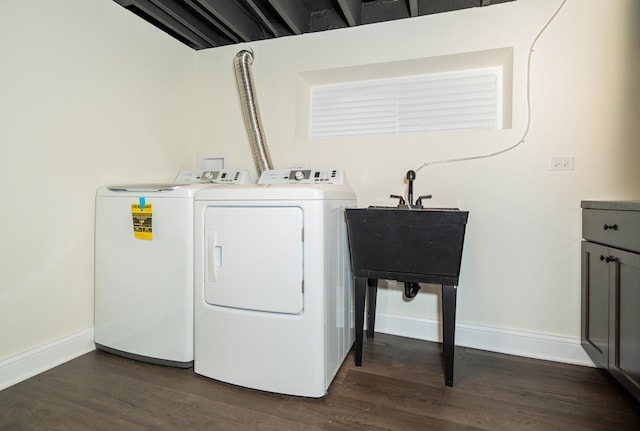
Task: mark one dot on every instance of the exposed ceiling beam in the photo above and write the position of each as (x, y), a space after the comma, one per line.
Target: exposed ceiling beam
(265, 21)
(204, 24)
(294, 13)
(190, 20)
(167, 21)
(413, 8)
(352, 10)
(218, 26)
(235, 18)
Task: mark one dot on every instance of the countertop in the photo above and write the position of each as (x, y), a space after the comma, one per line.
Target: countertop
(611, 205)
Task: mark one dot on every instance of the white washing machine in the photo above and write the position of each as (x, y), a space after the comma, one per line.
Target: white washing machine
(144, 267)
(273, 284)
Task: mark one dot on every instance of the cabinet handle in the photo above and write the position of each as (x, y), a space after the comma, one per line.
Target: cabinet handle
(607, 258)
(610, 226)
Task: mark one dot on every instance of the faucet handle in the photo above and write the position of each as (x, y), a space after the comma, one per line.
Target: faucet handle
(400, 198)
(419, 200)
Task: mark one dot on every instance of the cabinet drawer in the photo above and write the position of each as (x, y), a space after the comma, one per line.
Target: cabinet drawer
(619, 229)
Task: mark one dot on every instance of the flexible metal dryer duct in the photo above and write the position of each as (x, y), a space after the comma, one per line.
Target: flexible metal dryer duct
(252, 120)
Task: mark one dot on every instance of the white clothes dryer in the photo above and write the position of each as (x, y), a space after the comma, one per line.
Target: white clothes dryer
(144, 267)
(273, 284)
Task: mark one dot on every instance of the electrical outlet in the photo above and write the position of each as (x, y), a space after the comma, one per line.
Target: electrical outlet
(561, 164)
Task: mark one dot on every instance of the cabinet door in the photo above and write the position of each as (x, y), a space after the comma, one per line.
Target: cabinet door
(595, 303)
(624, 353)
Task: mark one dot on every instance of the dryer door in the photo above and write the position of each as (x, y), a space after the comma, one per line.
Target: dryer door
(254, 258)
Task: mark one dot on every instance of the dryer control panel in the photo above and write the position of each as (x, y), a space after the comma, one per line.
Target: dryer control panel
(218, 176)
(302, 176)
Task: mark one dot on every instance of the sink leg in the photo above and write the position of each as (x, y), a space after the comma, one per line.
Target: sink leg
(372, 294)
(448, 330)
(361, 289)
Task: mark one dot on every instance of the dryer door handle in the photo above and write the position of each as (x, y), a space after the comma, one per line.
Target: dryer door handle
(214, 258)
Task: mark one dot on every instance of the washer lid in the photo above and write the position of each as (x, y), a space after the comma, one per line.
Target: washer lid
(157, 190)
(144, 187)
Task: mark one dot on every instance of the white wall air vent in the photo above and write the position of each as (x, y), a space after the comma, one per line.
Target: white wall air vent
(460, 100)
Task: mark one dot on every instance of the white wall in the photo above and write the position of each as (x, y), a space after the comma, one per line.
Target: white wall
(89, 95)
(520, 269)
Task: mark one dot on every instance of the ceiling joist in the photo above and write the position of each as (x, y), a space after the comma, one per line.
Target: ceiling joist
(294, 13)
(204, 24)
(352, 10)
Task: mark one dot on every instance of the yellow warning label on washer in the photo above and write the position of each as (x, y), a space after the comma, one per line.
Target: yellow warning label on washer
(142, 217)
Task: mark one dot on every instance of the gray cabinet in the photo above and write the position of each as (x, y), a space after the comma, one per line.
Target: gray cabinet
(611, 289)
(595, 303)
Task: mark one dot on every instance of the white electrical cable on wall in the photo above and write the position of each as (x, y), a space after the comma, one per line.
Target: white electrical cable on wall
(528, 126)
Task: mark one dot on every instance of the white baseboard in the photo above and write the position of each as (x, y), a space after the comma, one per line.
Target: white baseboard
(519, 343)
(43, 358)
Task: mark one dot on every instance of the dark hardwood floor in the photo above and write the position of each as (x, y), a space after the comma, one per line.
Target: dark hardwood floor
(399, 387)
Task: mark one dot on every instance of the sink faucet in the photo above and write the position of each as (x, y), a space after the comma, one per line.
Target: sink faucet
(411, 176)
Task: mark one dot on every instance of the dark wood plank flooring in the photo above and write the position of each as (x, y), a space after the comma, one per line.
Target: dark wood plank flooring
(399, 387)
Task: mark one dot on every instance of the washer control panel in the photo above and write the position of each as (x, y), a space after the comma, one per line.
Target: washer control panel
(302, 176)
(218, 176)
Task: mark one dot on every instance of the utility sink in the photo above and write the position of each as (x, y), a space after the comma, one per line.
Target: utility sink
(407, 244)
(412, 246)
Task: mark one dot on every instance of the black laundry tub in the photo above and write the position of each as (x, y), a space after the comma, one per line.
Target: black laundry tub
(406, 244)
(411, 246)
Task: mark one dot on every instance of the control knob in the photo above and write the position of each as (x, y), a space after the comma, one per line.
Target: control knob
(208, 175)
(299, 175)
